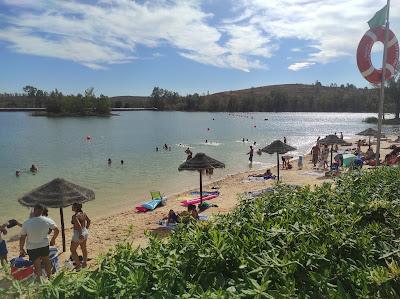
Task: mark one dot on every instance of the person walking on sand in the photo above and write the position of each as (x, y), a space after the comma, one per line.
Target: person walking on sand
(81, 223)
(315, 151)
(35, 232)
(341, 135)
(324, 155)
(284, 140)
(251, 153)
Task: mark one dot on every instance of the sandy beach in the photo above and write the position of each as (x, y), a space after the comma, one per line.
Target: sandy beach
(109, 230)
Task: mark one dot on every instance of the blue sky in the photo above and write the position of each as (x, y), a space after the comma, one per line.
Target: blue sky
(123, 47)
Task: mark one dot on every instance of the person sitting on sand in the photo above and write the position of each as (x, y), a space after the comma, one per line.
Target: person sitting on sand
(182, 217)
(33, 168)
(369, 155)
(193, 211)
(172, 218)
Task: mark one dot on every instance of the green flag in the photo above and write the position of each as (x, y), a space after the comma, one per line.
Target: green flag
(379, 19)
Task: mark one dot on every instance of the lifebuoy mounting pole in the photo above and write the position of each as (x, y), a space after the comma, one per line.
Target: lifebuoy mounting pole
(382, 93)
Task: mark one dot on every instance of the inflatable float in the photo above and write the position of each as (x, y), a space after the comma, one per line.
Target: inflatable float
(194, 201)
(148, 206)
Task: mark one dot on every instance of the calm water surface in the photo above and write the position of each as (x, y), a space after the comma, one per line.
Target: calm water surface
(59, 148)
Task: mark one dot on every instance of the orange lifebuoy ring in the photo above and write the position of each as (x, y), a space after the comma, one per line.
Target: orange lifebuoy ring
(369, 72)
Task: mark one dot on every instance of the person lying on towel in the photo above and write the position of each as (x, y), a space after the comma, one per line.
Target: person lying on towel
(266, 175)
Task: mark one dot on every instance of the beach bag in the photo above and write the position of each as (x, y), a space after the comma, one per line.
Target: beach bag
(21, 269)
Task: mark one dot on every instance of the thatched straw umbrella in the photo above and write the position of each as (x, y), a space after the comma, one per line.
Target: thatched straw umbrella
(58, 193)
(200, 162)
(278, 147)
(368, 132)
(331, 140)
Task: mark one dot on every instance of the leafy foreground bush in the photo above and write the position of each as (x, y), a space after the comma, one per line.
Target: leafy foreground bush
(340, 242)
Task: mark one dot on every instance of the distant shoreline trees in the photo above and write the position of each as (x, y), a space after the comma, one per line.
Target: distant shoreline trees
(279, 98)
(56, 103)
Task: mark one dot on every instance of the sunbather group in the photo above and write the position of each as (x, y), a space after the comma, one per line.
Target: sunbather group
(183, 217)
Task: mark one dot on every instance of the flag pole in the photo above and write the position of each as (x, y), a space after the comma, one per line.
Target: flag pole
(382, 93)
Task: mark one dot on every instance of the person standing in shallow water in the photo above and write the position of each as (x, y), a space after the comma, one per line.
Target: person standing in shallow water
(251, 153)
(109, 161)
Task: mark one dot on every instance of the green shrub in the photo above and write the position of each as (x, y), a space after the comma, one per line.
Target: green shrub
(337, 241)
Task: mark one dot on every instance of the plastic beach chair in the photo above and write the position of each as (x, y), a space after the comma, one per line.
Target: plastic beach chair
(155, 195)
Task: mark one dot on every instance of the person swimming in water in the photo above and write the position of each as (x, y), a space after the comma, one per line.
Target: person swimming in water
(33, 168)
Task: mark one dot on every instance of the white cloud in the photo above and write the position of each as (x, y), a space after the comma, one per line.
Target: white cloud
(104, 32)
(300, 66)
(109, 32)
(332, 28)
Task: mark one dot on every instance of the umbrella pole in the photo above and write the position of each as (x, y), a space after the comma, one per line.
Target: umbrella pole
(369, 142)
(62, 228)
(201, 188)
(277, 160)
(331, 154)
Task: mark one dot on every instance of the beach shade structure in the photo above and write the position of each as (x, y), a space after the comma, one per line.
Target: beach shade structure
(368, 132)
(278, 147)
(200, 162)
(331, 140)
(57, 193)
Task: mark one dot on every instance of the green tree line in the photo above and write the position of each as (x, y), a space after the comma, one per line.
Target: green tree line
(283, 98)
(56, 102)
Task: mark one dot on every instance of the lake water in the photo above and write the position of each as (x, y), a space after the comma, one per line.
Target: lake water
(59, 148)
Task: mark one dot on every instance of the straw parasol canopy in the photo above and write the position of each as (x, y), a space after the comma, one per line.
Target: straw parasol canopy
(368, 132)
(331, 140)
(199, 163)
(278, 147)
(58, 193)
